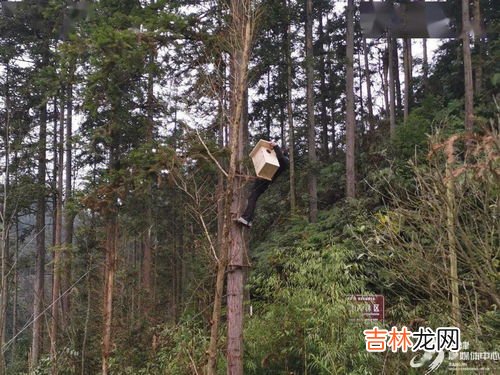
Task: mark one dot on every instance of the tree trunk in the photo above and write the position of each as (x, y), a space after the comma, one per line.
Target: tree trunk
(109, 278)
(369, 100)
(311, 133)
(40, 242)
(350, 117)
(5, 229)
(15, 295)
(68, 218)
(469, 91)
(392, 97)
(425, 65)
(478, 69)
(322, 75)
(385, 81)
(406, 69)
(289, 109)
(56, 285)
(147, 260)
(452, 247)
(234, 239)
(397, 81)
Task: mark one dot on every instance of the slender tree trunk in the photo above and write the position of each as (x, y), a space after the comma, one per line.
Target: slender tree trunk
(385, 82)
(234, 239)
(392, 94)
(322, 75)
(469, 90)
(350, 117)
(452, 248)
(289, 109)
(369, 100)
(478, 69)
(68, 218)
(397, 81)
(15, 295)
(147, 243)
(109, 278)
(425, 64)
(407, 73)
(5, 229)
(40, 242)
(311, 131)
(56, 285)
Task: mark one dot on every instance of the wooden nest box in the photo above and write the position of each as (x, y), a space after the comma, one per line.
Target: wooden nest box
(264, 160)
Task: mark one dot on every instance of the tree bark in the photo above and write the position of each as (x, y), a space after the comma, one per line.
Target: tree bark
(369, 100)
(67, 237)
(397, 81)
(5, 229)
(425, 64)
(234, 238)
(109, 278)
(56, 285)
(350, 117)
(322, 75)
(40, 242)
(469, 90)
(384, 71)
(478, 69)
(311, 131)
(391, 83)
(407, 64)
(289, 109)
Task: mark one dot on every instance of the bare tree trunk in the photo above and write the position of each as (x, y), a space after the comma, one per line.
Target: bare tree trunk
(369, 100)
(147, 243)
(392, 98)
(322, 75)
(452, 247)
(384, 71)
(68, 215)
(350, 118)
(56, 285)
(397, 81)
(478, 69)
(469, 90)
(234, 239)
(407, 72)
(5, 229)
(109, 278)
(40, 242)
(425, 64)
(15, 295)
(311, 132)
(289, 109)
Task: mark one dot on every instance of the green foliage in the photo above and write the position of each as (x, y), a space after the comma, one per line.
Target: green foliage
(299, 292)
(180, 349)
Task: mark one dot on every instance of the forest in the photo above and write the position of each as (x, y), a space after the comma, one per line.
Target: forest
(125, 133)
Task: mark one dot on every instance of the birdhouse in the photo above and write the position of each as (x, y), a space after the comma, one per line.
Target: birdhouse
(264, 160)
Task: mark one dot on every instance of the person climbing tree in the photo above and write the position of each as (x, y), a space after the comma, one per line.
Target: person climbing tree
(261, 185)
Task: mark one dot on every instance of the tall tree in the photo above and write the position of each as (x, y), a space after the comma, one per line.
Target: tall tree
(311, 130)
(350, 116)
(407, 65)
(323, 95)
(56, 263)
(391, 83)
(289, 108)
(477, 27)
(369, 99)
(242, 24)
(40, 237)
(469, 89)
